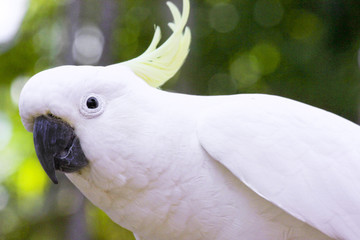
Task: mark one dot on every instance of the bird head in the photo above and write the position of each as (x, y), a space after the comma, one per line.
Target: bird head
(67, 107)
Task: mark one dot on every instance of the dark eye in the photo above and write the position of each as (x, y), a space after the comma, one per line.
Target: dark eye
(92, 103)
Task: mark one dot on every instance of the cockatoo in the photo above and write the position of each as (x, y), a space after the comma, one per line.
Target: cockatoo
(175, 166)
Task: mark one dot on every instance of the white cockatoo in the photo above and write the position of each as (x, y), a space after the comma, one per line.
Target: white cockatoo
(175, 166)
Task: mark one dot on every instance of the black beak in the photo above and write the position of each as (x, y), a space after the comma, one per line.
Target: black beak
(57, 146)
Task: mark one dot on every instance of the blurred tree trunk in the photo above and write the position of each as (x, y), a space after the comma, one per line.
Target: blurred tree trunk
(73, 10)
(107, 26)
(77, 228)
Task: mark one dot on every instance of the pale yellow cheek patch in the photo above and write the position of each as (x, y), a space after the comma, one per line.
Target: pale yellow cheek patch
(158, 65)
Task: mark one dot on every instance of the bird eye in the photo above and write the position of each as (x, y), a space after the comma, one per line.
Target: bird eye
(92, 105)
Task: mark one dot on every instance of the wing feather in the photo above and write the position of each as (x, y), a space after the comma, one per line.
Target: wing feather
(303, 159)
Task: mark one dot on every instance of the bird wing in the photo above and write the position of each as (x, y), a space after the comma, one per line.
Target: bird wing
(303, 159)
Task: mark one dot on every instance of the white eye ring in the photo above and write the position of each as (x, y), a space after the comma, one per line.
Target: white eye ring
(92, 105)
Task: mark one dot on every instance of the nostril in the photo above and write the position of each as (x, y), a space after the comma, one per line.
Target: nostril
(52, 116)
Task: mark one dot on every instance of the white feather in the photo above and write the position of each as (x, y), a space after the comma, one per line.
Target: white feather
(189, 167)
(302, 159)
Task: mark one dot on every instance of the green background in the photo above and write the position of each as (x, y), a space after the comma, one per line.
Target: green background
(304, 50)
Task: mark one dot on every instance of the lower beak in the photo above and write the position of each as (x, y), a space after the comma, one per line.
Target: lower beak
(57, 146)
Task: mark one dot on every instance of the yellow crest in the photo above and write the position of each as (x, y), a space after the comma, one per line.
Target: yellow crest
(158, 65)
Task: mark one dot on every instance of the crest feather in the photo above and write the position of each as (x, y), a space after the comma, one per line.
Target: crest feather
(158, 65)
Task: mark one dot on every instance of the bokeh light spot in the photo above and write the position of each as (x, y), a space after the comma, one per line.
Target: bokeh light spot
(268, 57)
(303, 25)
(11, 16)
(31, 179)
(51, 38)
(245, 70)
(223, 17)
(5, 130)
(88, 45)
(222, 83)
(16, 87)
(8, 221)
(268, 13)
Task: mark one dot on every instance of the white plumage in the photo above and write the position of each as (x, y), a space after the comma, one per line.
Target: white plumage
(175, 166)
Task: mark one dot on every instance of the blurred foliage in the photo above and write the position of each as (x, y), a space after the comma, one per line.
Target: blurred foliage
(304, 50)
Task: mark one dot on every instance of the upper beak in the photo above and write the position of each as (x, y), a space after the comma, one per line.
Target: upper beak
(57, 146)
